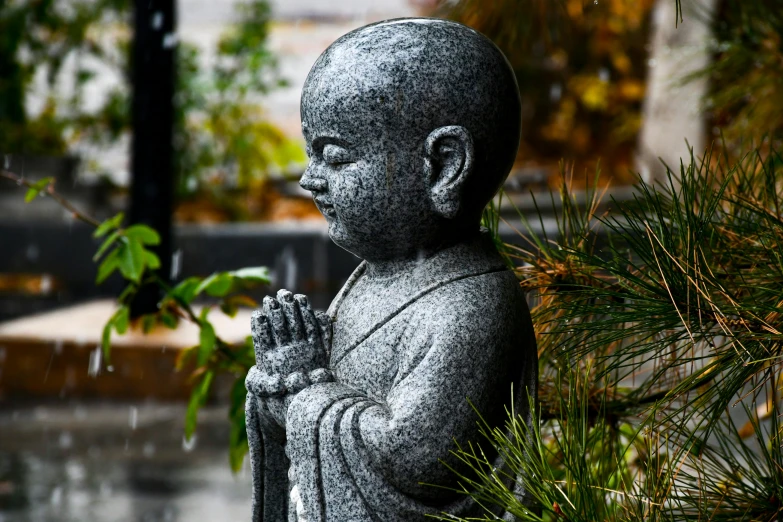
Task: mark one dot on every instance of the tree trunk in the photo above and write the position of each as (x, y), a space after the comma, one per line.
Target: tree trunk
(672, 114)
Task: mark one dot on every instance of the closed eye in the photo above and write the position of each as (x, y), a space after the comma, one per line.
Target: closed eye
(336, 156)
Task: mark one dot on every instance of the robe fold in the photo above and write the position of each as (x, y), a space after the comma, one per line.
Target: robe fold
(452, 331)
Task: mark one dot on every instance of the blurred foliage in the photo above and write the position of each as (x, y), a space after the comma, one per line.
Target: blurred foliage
(40, 37)
(745, 102)
(581, 67)
(222, 139)
(125, 250)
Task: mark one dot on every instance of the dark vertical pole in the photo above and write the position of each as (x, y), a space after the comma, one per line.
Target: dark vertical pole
(152, 181)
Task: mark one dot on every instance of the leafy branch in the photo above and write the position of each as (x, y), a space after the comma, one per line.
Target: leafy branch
(125, 250)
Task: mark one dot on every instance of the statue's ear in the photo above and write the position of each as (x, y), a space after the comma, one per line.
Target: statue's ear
(448, 162)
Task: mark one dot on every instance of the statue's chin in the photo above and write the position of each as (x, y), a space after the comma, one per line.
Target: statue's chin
(340, 238)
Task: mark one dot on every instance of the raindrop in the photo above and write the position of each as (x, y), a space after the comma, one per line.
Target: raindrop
(189, 445)
(290, 266)
(555, 92)
(110, 368)
(603, 74)
(7, 161)
(133, 417)
(80, 413)
(57, 496)
(168, 514)
(58, 346)
(595, 2)
(75, 471)
(32, 252)
(94, 367)
(105, 489)
(66, 440)
(41, 413)
(149, 449)
(169, 40)
(78, 499)
(46, 283)
(176, 264)
(157, 20)
(651, 62)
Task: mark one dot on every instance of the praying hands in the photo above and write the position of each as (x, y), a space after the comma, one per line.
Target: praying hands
(291, 344)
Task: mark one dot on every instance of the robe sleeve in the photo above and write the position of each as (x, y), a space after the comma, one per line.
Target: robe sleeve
(358, 459)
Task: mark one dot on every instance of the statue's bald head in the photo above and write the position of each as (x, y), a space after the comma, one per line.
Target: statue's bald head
(408, 77)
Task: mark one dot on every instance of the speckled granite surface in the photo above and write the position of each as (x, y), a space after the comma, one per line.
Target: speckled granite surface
(411, 127)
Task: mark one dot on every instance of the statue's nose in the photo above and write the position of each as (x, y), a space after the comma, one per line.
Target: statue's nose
(311, 182)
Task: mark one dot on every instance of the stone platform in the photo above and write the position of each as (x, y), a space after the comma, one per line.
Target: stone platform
(57, 354)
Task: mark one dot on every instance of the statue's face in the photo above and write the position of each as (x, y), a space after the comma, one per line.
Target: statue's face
(365, 175)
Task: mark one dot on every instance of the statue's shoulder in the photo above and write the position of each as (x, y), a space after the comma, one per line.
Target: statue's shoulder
(484, 298)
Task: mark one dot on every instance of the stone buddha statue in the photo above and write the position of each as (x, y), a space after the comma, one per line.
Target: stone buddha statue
(411, 127)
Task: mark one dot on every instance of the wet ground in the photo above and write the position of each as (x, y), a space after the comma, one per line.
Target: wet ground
(116, 462)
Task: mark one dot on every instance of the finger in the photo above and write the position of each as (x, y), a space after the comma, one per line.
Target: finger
(251, 381)
(262, 384)
(262, 335)
(274, 315)
(295, 382)
(320, 375)
(325, 323)
(310, 322)
(294, 323)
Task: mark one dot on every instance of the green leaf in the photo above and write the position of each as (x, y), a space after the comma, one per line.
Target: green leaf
(169, 320)
(151, 260)
(238, 436)
(184, 356)
(143, 234)
(186, 290)
(105, 245)
(197, 399)
(109, 224)
(231, 305)
(126, 296)
(36, 188)
(121, 319)
(216, 285)
(255, 274)
(207, 341)
(106, 339)
(109, 265)
(229, 308)
(131, 260)
(148, 322)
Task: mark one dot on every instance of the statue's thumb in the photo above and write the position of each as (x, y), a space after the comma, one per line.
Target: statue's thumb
(325, 322)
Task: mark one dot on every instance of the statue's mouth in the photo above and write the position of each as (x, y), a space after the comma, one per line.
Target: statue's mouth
(326, 208)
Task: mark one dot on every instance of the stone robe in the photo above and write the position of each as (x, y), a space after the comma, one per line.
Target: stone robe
(453, 330)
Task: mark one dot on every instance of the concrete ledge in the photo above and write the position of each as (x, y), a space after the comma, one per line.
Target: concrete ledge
(57, 354)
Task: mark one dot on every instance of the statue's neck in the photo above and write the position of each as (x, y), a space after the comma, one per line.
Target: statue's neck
(387, 268)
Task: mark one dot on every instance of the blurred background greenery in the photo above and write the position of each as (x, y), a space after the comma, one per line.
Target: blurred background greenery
(583, 69)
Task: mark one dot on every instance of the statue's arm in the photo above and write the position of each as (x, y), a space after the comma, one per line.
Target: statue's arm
(406, 436)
